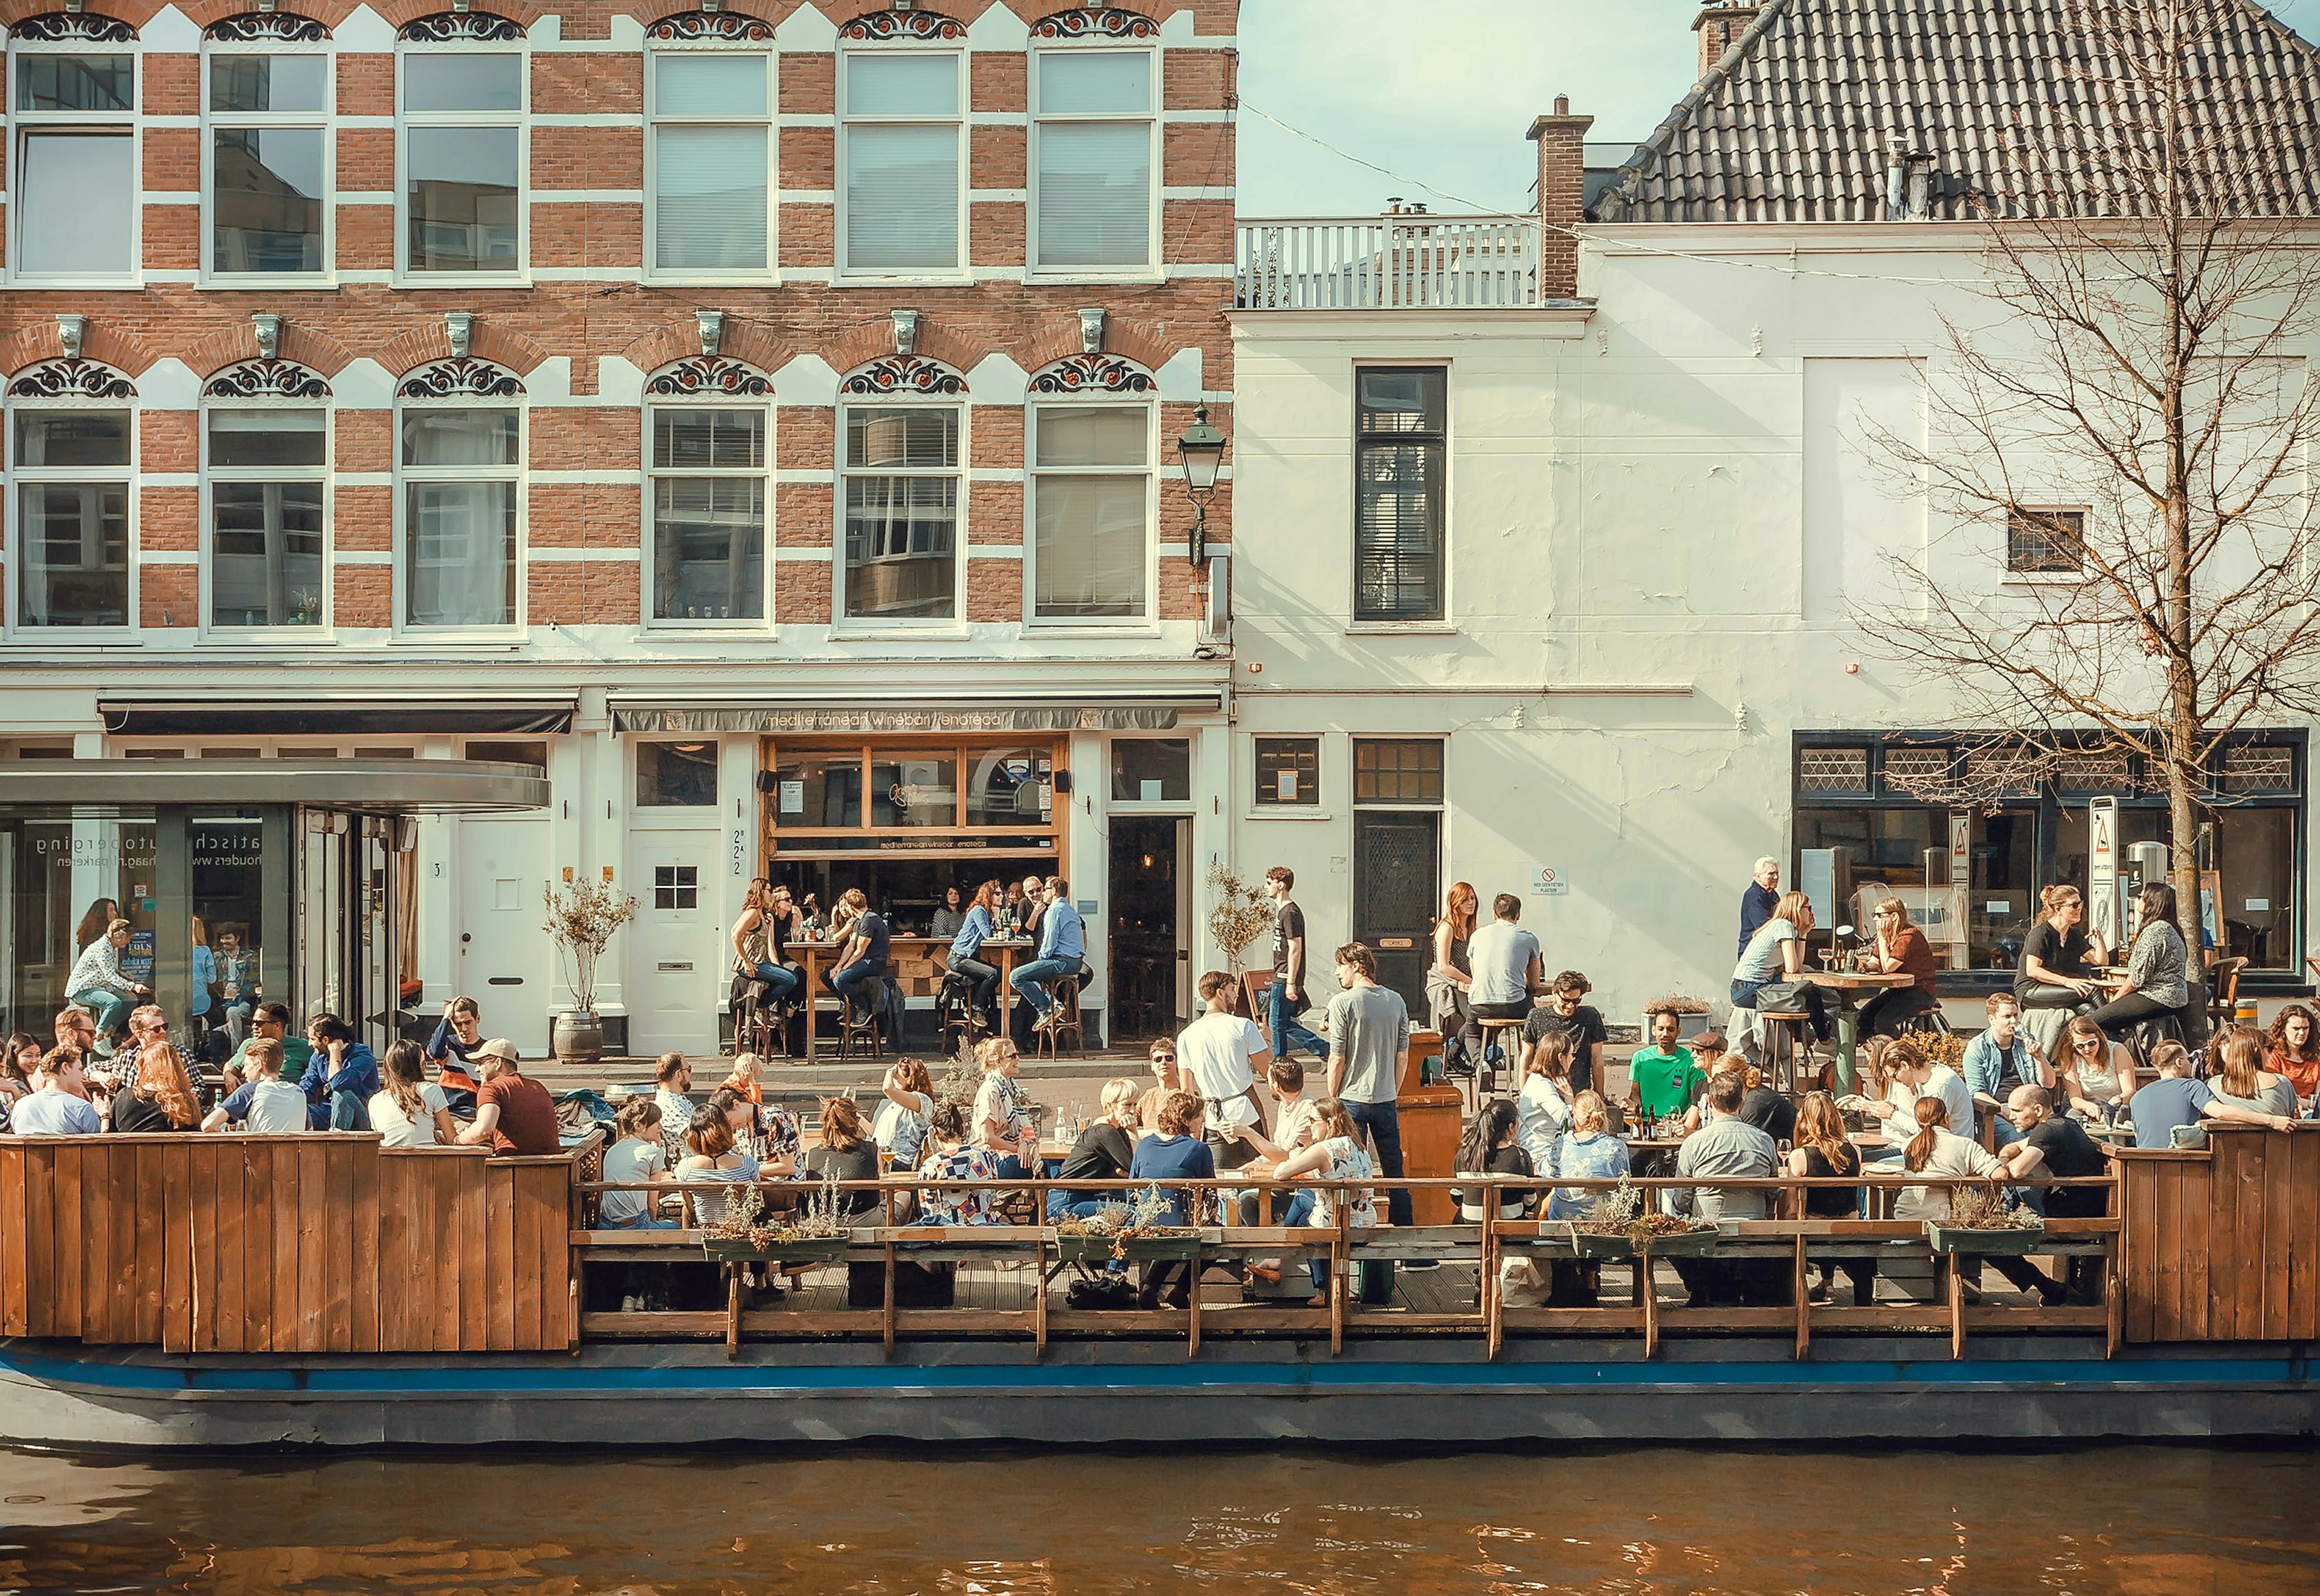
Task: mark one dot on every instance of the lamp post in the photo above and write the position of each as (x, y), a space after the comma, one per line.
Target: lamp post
(1202, 450)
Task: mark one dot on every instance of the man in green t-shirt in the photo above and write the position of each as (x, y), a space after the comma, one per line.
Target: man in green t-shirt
(269, 1023)
(1663, 1079)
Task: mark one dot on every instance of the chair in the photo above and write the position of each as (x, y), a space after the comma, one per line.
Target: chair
(855, 1029)
(2224, 993)
(1926, 1022)
(1064, 1015)
(1494, 1048)
(761, 1023)
(1784, 1045)
(955, 1015)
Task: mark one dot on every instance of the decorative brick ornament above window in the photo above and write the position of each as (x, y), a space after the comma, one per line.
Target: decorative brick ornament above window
(709, 374)
(462, 377)
(266, 27)
(71, 379)
(76, 27)
(1095, 22)
(1093, 374)
(723, 27)
(881, 26)
(266, 379)
(461, 27)
(904, 374)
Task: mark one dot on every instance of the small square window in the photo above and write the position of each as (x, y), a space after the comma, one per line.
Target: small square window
(1397, 772)
(2045, 543)
(676, 886)
(1288, 771)
(676, 774)
(1151, 770)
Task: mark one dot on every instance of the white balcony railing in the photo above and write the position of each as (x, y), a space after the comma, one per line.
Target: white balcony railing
(1395, 262)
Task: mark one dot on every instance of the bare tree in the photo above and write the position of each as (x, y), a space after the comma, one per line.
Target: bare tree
(2132, 412)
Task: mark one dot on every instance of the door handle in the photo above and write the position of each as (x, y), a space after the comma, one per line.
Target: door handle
(466, 936)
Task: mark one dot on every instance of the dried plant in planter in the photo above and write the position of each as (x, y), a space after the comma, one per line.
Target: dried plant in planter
(1983, 1208)
(1926, 1048)
(1243, 913)
(1139, 1216)
(1675, 1003)
(817, 1220)
(962, 1080)
(1625, 1210)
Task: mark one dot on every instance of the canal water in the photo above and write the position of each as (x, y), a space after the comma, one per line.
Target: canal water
(2146, 1520)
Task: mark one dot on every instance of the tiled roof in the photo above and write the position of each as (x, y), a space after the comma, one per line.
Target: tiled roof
(1793, 124)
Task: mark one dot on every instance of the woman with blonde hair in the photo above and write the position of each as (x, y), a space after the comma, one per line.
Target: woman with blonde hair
(1105, 1151)
(1450, 978)
(2055, 978)
(160, 1097)
(1002, 1110)
(1775, 956)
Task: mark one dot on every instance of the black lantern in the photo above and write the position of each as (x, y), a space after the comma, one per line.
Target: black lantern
(1202, 450)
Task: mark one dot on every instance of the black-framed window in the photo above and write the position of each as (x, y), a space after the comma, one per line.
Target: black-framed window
(676, 774)
(1400, 470)
(2045, 541)
(1151, 769)
(1288, 772)
(1398, 770)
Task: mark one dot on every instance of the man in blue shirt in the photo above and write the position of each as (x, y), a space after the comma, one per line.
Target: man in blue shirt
(1756, 903)
(341, 1076)
(1063, 946)
(2000, 1059)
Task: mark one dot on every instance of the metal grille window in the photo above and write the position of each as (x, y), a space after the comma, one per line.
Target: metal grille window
(2260, 770)
(900, 161)
(1288, 771)
(1397, 772)
(459, 470)
(2045, 543)
(463, 161)
(1093, 136)
(1833, 770)
(676, 886)
(72, 472)
(711, 166)
(1090, 512)
(708, 470)
(901, 513)
(1400, 444)
(2093, 772)
(268, 165)
(75, 201)
(1921, 772)
(265, 475)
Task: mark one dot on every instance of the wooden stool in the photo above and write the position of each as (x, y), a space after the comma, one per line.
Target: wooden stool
(1065, 1015)
(853, 1029)
(761, 1027)
(955, 1015)
(1486, 1077)
(1784, 1044)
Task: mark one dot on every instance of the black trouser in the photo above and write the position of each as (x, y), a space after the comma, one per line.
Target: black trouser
(1724, 1283)
(2021, 1274)
(1884, 1015)
(986, 982)
(2121, 1015)
(1471, 1033)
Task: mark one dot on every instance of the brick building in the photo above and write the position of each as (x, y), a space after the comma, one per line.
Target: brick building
(762, 418)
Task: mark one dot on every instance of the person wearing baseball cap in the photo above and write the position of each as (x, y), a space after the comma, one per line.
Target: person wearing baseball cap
(515, 1114)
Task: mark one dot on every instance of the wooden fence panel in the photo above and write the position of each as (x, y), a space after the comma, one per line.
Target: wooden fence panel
(366, 1222)
(177, 1246)
(475, 1254)
(499, 1250)
(235, 1237)
(2224, 1244)
(69, 1257)
(39, 1238)
(2304, 1209)
(14, 1304)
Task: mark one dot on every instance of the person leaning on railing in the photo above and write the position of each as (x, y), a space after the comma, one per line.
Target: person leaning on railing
(1491, 1147)
(1728, 1146)
(1337, 1164)
(514, 1115)
(2064, 1151)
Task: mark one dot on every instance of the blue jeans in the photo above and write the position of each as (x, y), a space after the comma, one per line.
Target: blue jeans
(2007, 1135)
(843, 982)
(110, 1008)
(643, 1222)
(783, 980)
(1282, 1023)
(1298, 1214)
(1383, 1125)
(1030, 980)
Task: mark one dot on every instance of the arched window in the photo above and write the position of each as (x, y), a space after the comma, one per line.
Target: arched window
(1091, 437)
(265, 449)
(710, 156)
(902, 454)
(266, 97)
(72, 451)
(458, 478)
(708, 448)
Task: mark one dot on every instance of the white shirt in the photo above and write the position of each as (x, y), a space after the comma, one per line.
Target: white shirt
(1957, 1099)
(887, 1119)
(1541, 1119)
(1500, 955)
(628, 1161)
(1299, 1127)
(402, 1130)
(1953, 1155)
(1215, 1052)
(277, 1108)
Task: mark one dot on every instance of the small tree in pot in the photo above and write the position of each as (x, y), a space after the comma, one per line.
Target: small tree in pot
(582, 916)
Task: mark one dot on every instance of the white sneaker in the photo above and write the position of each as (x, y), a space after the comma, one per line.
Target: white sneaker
(633, 1304)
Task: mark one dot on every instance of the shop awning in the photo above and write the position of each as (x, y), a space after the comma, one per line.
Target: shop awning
(415, 715)
(1137, 711)
(366, 786)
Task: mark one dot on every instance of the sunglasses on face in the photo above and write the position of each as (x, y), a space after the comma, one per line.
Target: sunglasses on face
(1163, 1058)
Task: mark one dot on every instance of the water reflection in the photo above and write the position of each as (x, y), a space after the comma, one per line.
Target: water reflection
(2135, 1522)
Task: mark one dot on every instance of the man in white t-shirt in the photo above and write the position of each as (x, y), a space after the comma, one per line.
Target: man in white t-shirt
(1507, 970)
(1220, 1056)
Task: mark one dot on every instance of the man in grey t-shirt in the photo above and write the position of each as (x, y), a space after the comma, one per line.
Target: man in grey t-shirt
(1369, 1038)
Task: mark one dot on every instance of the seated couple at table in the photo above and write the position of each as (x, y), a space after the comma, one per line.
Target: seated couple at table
(2059, 957)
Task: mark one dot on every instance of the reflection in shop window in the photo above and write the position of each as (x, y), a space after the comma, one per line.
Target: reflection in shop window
(676, 774)
(1151, 769)
(912, 789)
(1010, 787)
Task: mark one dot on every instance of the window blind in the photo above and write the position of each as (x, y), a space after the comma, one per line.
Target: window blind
(78, 210)
(709, 199)
(902, 198)
(1095, 194)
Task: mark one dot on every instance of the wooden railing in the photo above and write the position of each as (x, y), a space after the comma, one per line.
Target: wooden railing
(1399, 262)
(2223, 1242)
(284, 1244)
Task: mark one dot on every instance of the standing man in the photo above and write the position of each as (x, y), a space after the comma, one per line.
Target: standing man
(1220, 1056)
(865, 953)
(1756, 903)
(1285, 999)
(1369, 1045)
(1063, 949)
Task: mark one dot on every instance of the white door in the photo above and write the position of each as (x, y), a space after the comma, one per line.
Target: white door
(678, 962)
(506, 962)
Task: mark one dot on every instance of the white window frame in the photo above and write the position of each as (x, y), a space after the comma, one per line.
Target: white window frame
(211, 474)
(519, 119)
(405, 476)
(324, 121)
(956, 622)
(654, 473)
(1033, 471)
(20, 477)
(19, 122)
(1149, 267)
(770, 122)
(958, 271)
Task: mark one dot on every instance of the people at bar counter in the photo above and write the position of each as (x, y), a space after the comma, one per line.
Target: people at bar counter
(2056, 978)
(1450, 978)
(761, 938)
(1776, 954)
(1900, 949)
(1062, 952)
(99, 984)
(1508, 972)
(866, 948)
(979, 925)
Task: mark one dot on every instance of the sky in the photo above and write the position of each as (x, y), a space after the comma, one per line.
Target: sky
(1443, 93)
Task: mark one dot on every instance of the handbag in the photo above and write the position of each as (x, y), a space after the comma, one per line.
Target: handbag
(1782, 997)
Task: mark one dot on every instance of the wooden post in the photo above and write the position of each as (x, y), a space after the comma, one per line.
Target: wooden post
(1040, 1302)
(733, 1310)
(1804, 1304)
(1192, 1305)
(2114, 1294)
(1492, 1299)
(1651, 1303)
(1341, 1252)
(1949, 1262)
(886, 1313)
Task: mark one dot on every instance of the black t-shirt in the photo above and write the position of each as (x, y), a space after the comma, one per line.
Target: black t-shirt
(132, 1112)
(1582, 1027)
(2064, 955)
(1103, 1152)
(858, 1163)
(1831, 1202)
(872, 925)
(1510, 1159)
(1770, 1112)
(2071, 1155)
(1288, 926)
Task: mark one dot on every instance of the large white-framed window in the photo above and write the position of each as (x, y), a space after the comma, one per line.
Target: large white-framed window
(900, 497)
(710, 163)
(902, 166)
(1092, 513)
(74, 192)
(460, 503)
(1094, 133)
(265, 475)
(705, 509)
(75, 492)
(265, 174)
(461, 154)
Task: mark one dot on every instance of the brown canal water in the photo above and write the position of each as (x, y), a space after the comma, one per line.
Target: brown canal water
(2153, 1522)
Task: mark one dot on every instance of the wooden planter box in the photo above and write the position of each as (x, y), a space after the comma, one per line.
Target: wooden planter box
(819, 1249)
(1074, 1248)
(2012, 1241)
(1154, 1250)
(1687, 1244)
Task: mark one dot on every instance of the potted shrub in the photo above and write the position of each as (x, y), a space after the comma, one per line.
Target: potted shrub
(582, 916)
(1691, 1015)
(1980, 1224)
(1622, 1224)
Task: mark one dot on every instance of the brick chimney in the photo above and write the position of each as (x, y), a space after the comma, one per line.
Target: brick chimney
(1561, 196)
(1720, 25)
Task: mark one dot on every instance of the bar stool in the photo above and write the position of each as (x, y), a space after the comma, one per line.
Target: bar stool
(1494, 1044)
(1065, 1016)
(955, 1015)
(855, 1029)
(1784, 1045)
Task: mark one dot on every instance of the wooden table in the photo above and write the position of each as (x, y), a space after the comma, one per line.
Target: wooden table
(1845, 983)
(917, 963)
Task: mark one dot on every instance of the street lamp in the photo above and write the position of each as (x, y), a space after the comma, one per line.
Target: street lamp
(1202, 450)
